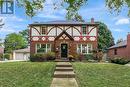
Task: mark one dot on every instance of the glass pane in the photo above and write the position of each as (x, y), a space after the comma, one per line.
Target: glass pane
(48, 47)
(84, 48)
(89, 48)
(42, 48)
(79, 48)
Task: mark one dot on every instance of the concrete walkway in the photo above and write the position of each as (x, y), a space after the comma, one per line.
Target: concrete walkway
(64, 75)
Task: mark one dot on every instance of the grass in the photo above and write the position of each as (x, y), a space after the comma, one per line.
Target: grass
(102, 75)
(26, 74)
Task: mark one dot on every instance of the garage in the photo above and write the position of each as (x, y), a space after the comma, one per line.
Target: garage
(21, 54)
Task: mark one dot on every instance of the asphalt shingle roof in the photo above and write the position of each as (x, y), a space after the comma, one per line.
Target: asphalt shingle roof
(121, 44)
(62, 22)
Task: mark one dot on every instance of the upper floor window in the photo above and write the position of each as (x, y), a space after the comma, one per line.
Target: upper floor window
(84, 30)
(43, 30)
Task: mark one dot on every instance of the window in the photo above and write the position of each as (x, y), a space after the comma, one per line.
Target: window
(84, 48)
(43, 30)
(115, 51)
(43, 48)
(84, 30)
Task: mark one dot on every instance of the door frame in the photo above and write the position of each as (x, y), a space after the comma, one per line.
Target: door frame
(61, 50)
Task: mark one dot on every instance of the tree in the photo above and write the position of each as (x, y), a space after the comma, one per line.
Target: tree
(32, 7)
(25, 35)
(14, 41)
(119, 40)
(116, 5)
(105, 38)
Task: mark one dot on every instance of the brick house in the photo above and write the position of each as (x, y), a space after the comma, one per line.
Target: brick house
(121, 49)
(1, 50)
(63, 37)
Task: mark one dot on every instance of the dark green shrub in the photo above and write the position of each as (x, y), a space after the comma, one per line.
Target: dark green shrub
(7, 56)
(50, 55)
(39, 57)
(1, 56)
(119, 60)
(89, 57)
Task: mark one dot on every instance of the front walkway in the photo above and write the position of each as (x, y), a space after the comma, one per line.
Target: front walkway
(64, 75)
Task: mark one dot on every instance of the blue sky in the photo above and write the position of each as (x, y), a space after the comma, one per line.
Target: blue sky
(118, 24)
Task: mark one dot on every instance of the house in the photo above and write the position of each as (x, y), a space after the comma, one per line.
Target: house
(63, 37)
(121, 49)
(1, 50)
(21, 54)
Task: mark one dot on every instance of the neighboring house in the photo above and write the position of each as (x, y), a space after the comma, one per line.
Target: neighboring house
(121, 49)
(21, 54)
(63, 37)
(1, 50)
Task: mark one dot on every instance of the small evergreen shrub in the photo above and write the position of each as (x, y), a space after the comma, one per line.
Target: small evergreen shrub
(50, 55)
(89, 57)
(7, 56)
(39, 57)
(119, 60)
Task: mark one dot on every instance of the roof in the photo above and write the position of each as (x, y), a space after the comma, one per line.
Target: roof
(63, 22)
(121, 44)
(26, 50)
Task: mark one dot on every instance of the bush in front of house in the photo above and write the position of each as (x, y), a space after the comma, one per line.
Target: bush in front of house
(89, 56)
(50, 56)
(39, 57)
(119, 60)
(1, 56)
(7, 56)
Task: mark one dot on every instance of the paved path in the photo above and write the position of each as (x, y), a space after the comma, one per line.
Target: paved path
(64, 75)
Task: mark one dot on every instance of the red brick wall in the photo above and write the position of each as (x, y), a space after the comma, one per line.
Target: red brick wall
(122, 51)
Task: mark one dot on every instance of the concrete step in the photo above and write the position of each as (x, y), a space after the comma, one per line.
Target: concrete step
(64, 69)
(63, 64)
(65, 74)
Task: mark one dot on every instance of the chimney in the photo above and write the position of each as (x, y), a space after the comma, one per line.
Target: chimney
(92, 20)
(128, 39)
(128, 45)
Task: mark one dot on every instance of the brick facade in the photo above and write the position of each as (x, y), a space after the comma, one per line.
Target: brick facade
(122, 51)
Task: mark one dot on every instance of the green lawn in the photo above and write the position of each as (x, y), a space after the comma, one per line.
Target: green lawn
(102, 75)
(26, 74)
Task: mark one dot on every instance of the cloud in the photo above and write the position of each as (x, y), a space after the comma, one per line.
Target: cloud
(118, 30)
(122, 21)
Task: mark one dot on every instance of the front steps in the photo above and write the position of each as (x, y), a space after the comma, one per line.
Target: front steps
(64, 70)
(64, 75)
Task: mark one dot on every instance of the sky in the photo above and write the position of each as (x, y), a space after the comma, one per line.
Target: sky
(119, 24)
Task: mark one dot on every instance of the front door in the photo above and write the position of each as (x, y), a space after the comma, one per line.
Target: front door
(64, 50)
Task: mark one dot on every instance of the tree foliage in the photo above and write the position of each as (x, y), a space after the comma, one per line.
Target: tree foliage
(25, 35)
(116, 5)
(14, 41)
(105, 38)
(32, 7)
(119, 40)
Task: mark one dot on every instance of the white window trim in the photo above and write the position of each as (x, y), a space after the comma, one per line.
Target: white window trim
(81, 50)
(46, 50)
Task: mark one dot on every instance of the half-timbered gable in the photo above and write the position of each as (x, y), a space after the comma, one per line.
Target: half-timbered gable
(63, 37)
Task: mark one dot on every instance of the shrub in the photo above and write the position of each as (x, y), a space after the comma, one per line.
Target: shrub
(1, 56)
(7, 56)
(50, 56)
(119, 60)
(89, 57)
(39, 57)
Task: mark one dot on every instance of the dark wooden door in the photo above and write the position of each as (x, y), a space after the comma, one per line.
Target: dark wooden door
(64, 50)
